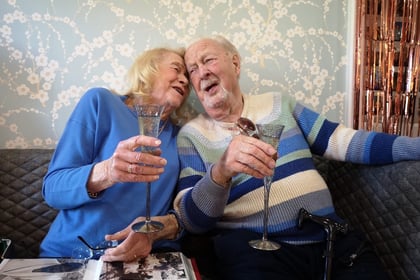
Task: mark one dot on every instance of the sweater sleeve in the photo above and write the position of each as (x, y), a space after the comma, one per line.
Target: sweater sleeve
(200, 201)
(64, 185)
(338, 142)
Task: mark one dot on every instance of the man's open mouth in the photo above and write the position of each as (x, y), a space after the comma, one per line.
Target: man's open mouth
(208, 85)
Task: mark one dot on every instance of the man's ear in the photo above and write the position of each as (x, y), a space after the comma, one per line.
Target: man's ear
(237, 62)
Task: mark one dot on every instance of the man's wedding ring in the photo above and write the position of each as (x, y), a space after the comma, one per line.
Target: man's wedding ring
(130, 169)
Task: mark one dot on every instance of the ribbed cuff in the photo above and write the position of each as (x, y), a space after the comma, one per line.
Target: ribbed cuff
(181, 228)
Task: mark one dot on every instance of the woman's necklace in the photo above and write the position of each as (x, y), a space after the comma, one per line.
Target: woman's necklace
(161, 128)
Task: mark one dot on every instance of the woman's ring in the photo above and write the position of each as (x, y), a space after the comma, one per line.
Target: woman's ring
(130, 169)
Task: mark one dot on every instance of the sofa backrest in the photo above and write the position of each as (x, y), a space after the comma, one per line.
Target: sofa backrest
(384, 202)
(24, 216)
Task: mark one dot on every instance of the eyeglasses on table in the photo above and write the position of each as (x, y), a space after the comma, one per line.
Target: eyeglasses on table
(90, 251)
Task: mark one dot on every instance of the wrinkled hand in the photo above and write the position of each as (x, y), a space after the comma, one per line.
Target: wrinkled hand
(245, 155)
(135, 246)
(129, 165)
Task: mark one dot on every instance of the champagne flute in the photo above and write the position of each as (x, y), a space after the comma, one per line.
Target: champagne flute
(269, 133)
(148, 119)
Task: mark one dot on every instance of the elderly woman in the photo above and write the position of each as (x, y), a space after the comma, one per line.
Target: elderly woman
(97, 176)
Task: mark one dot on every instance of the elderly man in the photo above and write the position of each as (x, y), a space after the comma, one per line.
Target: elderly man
(220, 187)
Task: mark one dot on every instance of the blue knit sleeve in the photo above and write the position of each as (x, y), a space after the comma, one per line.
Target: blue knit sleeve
(86, 140)
(338, 142)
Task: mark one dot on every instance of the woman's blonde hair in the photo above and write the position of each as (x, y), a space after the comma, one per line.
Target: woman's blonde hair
(143, 73)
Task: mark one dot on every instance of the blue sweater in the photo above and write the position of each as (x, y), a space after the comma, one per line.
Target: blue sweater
(204, 205)
(98, 123)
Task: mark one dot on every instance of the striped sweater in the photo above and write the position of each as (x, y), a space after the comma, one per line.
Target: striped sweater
(204, 205)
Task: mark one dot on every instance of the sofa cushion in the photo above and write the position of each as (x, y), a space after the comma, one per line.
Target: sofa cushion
(24, 218)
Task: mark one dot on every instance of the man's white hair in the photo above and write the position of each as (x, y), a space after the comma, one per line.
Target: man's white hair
(221, 40)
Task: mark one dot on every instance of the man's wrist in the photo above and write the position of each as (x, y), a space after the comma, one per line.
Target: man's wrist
(220, 180)
(178, 224)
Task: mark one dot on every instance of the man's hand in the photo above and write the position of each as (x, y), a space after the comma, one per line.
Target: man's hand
(135, 246)
(244, 155)
(139, 245)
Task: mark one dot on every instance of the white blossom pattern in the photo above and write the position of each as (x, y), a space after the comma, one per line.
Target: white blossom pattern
(53, 51)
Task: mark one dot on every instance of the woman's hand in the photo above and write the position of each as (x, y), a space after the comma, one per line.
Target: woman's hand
(128, 165)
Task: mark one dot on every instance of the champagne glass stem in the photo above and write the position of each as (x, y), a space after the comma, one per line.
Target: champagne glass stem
(148, 186)
(267, 186)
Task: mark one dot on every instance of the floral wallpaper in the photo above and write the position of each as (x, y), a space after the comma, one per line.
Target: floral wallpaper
(52, 51)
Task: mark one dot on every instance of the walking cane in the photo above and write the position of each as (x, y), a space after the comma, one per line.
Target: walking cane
(331, 228)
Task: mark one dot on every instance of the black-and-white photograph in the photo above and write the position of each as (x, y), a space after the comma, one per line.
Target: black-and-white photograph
(165, 266)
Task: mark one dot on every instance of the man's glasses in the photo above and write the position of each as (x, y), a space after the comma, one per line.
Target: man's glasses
(4, 246)
(247, 127)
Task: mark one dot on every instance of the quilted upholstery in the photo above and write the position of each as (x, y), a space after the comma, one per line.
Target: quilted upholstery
(24, 217)
(383, 201)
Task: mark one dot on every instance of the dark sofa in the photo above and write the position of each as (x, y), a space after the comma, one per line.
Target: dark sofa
(383, 201)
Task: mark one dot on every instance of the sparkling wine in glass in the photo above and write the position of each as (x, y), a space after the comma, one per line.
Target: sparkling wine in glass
(269, 133)
(148, 119)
